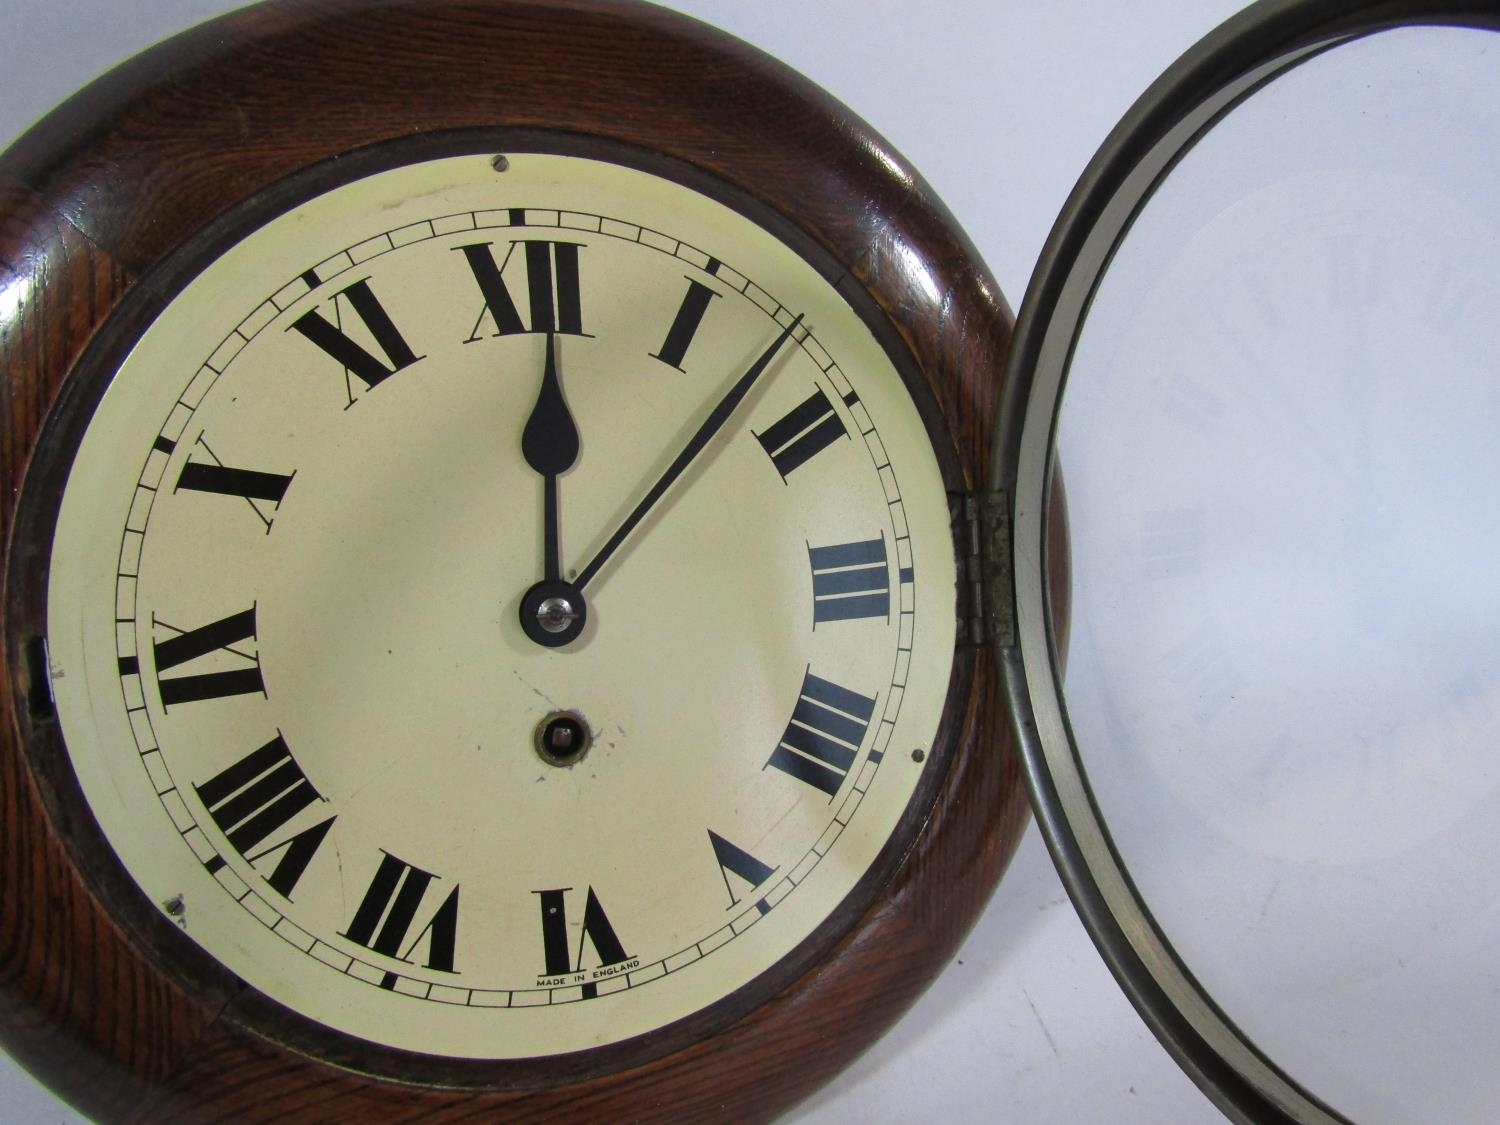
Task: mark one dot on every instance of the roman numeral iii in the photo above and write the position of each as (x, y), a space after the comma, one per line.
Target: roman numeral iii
(554, 296)
(850, 581)
(823, 739)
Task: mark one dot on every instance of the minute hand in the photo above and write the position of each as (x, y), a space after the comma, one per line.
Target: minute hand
(711, 426)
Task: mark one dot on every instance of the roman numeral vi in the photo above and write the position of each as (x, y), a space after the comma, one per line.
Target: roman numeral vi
(596, 930)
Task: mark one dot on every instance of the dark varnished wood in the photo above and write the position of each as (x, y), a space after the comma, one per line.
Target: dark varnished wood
(76, 1001)
(92, 202)
(171, 139)
(770, 1059)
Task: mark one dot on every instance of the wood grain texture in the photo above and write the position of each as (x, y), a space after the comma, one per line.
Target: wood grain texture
(169, 141)
(92, 996)
(76, 998)
(757, 1067)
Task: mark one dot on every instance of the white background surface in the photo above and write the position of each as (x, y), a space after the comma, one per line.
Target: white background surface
(1000, 103)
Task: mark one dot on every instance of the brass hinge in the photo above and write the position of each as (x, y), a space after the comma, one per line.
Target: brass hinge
(981, 533)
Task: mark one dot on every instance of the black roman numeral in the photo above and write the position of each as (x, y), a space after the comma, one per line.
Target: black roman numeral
(554, 297)
(850, 581)
(260, 795)
(811, 427)
(356, 359)
(253, 486)
(824, 736)
(596, 929)
(225, 481)
(736, 861)
(389, 909)
(687, 322)
(215, 639)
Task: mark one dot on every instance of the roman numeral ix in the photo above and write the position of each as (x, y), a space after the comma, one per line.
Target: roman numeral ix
(213, 644)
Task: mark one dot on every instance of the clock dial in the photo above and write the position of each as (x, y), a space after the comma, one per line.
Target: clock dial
(504, 607)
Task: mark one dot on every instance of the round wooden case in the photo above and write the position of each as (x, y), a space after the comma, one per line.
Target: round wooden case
(141, 175)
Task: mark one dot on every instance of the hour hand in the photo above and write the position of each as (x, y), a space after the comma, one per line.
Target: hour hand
(550, 444)
(552, 612)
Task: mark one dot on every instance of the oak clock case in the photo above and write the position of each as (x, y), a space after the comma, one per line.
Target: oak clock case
(366, 623)
(183, 907)
(1256, 339)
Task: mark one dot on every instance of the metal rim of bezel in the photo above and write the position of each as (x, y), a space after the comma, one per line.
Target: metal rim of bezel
(1219, 73)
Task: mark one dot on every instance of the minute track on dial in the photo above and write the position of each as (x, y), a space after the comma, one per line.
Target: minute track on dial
(432, 472)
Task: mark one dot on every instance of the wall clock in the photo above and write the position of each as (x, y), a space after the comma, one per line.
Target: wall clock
(468, 762)
(1297, 821)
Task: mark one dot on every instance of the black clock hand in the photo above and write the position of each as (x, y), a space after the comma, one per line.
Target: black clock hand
(550, 444)
(552, 612)
(711, 426)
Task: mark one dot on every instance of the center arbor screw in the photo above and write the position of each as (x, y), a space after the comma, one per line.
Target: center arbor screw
(553, 614)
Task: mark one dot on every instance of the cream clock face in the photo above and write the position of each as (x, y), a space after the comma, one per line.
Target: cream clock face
(301, 683)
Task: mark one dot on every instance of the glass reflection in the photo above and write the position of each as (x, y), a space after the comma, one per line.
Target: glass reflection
(1281, 435)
